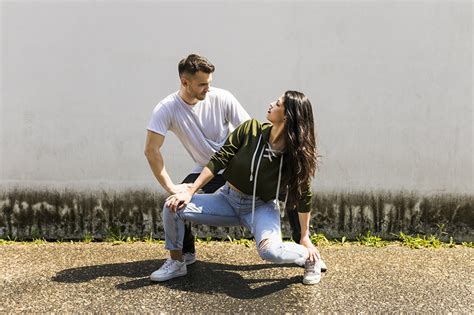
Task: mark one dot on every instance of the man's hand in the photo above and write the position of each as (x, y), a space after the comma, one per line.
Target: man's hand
(313, 252)
(176, 189)
(178, 201)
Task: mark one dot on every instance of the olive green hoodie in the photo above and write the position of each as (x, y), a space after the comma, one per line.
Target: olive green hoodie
(252, 166)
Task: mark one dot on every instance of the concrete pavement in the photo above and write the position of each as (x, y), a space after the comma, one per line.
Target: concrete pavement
(101, 277)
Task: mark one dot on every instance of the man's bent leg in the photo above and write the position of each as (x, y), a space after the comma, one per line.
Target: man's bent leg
(174, 234)
(213, 185)
(188, 241)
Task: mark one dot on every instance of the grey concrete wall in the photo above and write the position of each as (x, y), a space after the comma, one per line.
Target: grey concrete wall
(68, 214)
(391, 83)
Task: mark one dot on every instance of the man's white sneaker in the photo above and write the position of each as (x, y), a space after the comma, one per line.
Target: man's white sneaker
(189, 258)
(312, 272)
(170, 269)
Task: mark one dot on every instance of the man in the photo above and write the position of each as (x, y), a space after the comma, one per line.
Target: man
(201, 117)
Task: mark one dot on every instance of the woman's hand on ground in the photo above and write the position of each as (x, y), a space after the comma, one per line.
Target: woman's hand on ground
(178, 201)
(313, 251)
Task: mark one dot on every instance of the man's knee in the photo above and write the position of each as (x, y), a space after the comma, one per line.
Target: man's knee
(169, 215)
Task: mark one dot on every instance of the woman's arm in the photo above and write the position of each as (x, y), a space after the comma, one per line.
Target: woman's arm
(180, 200)
(304, 215)
(234, 141)
(304, 218)
(218, 161)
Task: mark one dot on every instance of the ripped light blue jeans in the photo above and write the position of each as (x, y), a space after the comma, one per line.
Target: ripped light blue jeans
(228, 207)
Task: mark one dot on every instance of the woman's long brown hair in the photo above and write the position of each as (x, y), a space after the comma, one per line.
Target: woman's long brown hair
(301, 156)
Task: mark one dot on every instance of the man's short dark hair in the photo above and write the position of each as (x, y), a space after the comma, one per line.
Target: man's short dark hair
(194, 63)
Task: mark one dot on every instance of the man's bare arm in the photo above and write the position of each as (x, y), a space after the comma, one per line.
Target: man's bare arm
(154, 141)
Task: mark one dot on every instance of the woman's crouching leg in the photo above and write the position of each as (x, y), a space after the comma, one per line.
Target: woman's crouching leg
(268, 236)
(276, 251)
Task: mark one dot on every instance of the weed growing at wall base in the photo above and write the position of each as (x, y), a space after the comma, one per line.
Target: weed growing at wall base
(371, 240)
(87, 238)
(319, 239)
(39, 241)
(420, 242)
(243, 241)
(150, 240)
(413, 242)
(343, 241)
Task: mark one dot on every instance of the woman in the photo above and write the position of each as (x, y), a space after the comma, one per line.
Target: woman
(260, 162)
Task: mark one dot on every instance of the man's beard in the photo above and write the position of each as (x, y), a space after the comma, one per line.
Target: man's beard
(201, 96)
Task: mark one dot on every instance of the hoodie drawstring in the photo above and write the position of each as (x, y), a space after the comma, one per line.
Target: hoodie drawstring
(255, 189)
(278, 185)
(253, 158)
(282, 213)
(269, 155)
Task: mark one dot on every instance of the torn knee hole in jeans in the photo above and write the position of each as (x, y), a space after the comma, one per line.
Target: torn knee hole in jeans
(263, 245)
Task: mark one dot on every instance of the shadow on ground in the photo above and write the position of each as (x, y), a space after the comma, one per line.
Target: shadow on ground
(203, 277)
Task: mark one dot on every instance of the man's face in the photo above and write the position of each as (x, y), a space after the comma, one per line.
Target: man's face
(198, 85)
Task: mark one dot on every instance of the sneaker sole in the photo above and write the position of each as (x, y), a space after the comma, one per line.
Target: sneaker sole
(168, 277)
(308, 282)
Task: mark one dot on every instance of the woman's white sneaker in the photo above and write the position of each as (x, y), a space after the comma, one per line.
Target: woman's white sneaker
(324, 268)
(170, 269)
(312, 272)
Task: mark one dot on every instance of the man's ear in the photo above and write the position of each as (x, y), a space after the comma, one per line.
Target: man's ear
(184, 81)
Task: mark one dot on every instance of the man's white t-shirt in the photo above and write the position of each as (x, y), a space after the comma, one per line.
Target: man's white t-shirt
(202, 128)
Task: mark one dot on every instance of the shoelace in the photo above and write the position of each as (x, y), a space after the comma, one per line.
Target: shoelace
(310, 267)
(167, 264)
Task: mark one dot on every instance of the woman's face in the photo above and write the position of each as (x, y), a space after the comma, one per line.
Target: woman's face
(276, 111)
